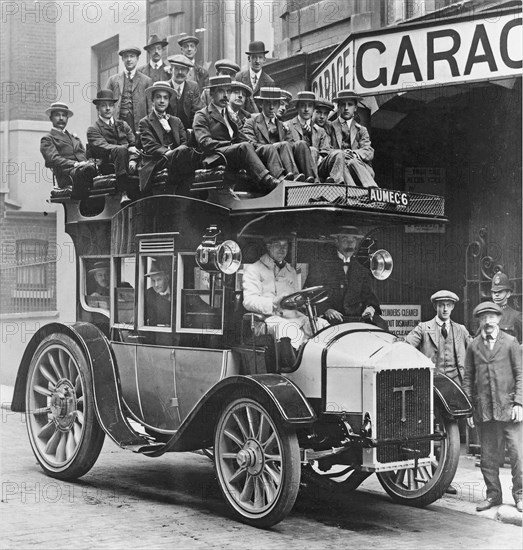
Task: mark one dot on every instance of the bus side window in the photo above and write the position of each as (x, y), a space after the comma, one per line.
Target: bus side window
(124, 291)
(97, 283)
(157, 290)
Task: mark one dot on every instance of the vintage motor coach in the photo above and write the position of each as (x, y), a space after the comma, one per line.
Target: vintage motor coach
(355, 401)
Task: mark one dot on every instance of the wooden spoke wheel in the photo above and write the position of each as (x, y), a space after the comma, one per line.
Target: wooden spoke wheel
(61, 422)
(257, 462)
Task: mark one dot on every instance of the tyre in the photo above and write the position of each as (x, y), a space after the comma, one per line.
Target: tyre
(60, 415)
(423, 485)
(257, 461)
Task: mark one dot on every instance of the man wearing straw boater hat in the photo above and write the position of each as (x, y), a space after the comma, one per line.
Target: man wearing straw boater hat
(128, 88)
(189, 47)
(164, 141)
(186, 98)
(328, 163)
(353, 139)
(255, 77)
(64, 153)
(222, 67)
(269, 137)
(218, 135)
(156, 69)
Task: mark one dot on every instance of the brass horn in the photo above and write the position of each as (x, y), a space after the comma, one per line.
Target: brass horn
(381, 264)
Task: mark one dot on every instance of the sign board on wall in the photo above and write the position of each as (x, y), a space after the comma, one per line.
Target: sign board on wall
(473, 48)
(425, 179)
(401, 318)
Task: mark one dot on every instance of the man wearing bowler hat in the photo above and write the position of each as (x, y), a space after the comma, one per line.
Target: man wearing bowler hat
(64, 153)
(353, 139)
(218, 135)
(186, 98)
(158, 297)
(164, 141)
(189, 46)
(128, 88)
(254, 76)
(156, 69)
(501, 291)
(351, 297)
(113, 142)
(269, 137)
(493, 383)
(222, 67)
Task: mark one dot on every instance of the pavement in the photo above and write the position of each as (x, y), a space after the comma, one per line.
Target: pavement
(468, 482)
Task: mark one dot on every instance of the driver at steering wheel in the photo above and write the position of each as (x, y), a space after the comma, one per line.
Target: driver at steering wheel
(266, 283)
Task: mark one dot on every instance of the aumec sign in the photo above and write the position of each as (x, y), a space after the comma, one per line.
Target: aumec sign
(428, 54)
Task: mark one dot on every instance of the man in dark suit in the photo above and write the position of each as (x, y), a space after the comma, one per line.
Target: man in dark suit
(222, 67)
(163, 140)
(158, 297)
(353, 139)
(113, 141)
(128, 89)
(64, 153)
(218, 135)
(186, 98)
(350, 290)
(237, 98)
(189, 46)
(156, 69)
(254, 76)
(501, 290)
(493, 382)
(269, 137)
(323, 161)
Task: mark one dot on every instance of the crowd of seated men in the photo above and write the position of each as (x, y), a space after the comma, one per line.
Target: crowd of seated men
(174, 119)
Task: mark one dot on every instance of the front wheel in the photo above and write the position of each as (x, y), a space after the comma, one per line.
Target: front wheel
(61, 422)
(257, 462)
(426, 484)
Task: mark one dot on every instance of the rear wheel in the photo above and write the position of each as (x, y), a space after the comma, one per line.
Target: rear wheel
(257, 462)
(63, 430)
(423, 485)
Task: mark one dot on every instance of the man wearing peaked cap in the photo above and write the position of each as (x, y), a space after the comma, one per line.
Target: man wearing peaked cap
(441, 339)
(189, 47)
(322, 110)
(65, 155)
(185, 100)
(255, 77)
(286, 98)
(493, 382)
(128, 88)
(501, 290)
(156, 69)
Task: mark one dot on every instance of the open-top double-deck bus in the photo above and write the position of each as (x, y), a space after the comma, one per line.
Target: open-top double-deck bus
(355, 401)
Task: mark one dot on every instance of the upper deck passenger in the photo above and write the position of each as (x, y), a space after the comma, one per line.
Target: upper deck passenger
(189, 47)
(156, 69)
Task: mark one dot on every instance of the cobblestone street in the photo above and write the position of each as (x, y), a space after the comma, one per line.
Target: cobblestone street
(134, 501)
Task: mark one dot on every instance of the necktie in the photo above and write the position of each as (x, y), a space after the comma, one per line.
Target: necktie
(129, 75)
(254, 81)
(490, 340)
(272, 126)
(229, 127)
(444, 332)
(346, 266)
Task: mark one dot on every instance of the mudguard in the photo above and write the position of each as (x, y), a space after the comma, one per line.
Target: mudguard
(451, 397)
(106, 382)
(197, 430)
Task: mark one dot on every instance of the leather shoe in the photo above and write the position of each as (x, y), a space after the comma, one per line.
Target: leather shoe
(310, 179)
(268, 183)
(519, 505)
(329, 180)
(487, 504)
(125, 200)
(451, 490)
(299, 177)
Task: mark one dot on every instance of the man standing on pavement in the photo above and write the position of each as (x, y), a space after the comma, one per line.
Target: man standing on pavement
(254, 76)
(189, 47)
(156, 69)
(217, 135)
(186, 98)
(493, 383)
(501, 291)
(128, 89)
(64, 153)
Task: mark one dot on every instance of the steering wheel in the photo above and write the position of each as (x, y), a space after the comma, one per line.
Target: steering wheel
(298, 300)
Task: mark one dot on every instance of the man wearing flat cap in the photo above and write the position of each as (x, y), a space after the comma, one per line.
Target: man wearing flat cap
(189, 46)
(128, 89)
(222, 67)
(156, 69)
(501, 291)
(353, 139)
(286, 98)
(218, 135)
(255, 77)
(322, 111)
(441, 339)
(351, 297)
(186, 98)
(164, 142)
(493, 383)
(64, 153)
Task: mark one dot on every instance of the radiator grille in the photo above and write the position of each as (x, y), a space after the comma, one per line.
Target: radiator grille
(392, 387)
